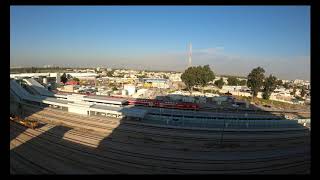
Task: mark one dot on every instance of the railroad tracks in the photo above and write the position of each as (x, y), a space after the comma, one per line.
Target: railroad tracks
(161, 135)
(129, 161)
(123, 148)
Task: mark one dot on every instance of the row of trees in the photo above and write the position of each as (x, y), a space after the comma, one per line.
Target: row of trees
(202, 75)
(219, 83)
(233, 81)
(36, 69)
(257, 82)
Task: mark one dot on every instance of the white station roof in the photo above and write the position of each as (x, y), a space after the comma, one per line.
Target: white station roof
(110, 100)
(132, 112)
(38, 87)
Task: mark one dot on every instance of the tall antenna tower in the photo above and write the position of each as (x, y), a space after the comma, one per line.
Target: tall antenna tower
(190, 54)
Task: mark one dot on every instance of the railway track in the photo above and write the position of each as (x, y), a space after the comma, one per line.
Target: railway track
(176, 133)
(82, 136)
(206, 164)
(123, 148)
(165, 136)
(116, 121)
(123, 139)
(57, 158)
(19, 163)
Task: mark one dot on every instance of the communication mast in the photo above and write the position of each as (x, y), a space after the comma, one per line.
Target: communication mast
(190, 54)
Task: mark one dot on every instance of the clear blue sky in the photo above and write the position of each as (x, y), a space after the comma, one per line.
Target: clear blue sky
(155, 36)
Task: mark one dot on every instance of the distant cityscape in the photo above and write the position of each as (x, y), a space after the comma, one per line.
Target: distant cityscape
(106, 79)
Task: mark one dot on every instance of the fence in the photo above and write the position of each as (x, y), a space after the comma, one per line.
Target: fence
(221, 123)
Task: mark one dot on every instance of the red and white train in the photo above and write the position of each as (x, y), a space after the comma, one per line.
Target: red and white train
(163, 104)
(150, 102)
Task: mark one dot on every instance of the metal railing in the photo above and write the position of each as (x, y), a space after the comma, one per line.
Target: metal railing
(221, 123)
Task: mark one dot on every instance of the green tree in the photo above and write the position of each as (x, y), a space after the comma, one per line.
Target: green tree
(279, 82)
(110, 73)
(165, 76)
(255, 80)
(286, 85)
(243, 82)
(298, 98)
(69, 76)
(302, 92)
(76, 79)
(28, 70)
(270, 85)
(64, 78)
(294, 90)
(205, 75)
(197, 76)
(33, 70)
(142, 76)
(189, 77)
(219, 83)
(233, 81)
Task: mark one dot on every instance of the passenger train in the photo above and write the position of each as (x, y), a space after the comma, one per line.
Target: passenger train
(163, 104)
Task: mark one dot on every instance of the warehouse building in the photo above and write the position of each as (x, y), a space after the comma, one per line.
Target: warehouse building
(157, 83)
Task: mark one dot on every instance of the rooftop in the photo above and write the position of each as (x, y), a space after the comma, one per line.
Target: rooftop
(105, 98)
(128, 111)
